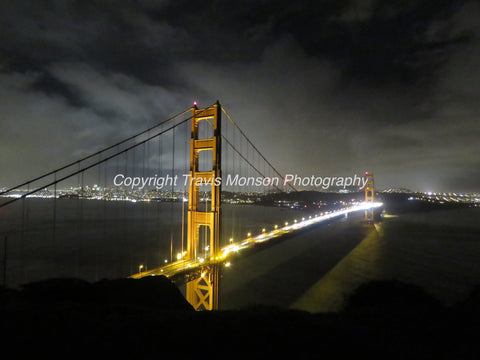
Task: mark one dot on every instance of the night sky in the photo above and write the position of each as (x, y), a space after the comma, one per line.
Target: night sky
(326, 88)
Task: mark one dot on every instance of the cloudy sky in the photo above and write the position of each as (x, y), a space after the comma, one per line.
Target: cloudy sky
(321, 87)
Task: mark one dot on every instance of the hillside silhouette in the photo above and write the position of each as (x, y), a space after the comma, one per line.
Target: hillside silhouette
(149, 318)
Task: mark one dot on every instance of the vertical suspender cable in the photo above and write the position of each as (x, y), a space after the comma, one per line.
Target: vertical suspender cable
(173, 197)
(54, 228)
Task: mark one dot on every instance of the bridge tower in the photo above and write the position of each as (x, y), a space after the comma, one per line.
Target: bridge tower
(202, 293)
(369, 190)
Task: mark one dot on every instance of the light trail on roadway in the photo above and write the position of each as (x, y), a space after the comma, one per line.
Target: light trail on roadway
(184, 265)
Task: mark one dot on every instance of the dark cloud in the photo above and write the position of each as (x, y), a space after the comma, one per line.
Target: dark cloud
(323, 87)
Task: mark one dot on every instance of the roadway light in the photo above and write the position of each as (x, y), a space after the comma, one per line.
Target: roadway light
(140, 268)
(303, 219)
(179, 256)
(276, 226)
(295, 221)
(249, 234)
(263, 230)
(231, 239)
(286, 223)
(227, 264)
(166, 261)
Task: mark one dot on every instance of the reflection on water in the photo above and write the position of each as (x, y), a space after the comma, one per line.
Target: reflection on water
(437, 250)
(93, 239)
(363, 263)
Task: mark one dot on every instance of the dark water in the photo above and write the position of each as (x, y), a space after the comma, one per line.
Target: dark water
(281, 273)
(94, 239)
(437, 250)
(315, 270)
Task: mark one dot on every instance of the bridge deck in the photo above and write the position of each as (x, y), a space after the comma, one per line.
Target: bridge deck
(189, 265)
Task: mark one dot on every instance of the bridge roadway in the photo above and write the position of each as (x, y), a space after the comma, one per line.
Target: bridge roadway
(190, 265)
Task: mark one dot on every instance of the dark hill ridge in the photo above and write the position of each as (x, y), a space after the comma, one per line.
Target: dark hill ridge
(149, 318)
(148, 292)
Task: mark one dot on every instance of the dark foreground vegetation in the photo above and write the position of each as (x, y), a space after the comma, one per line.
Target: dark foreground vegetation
(149, 319)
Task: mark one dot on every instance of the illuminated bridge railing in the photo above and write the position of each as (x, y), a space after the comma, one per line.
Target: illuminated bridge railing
(196, 265)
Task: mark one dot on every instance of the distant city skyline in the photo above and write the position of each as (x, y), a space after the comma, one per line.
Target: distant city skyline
(327, 87)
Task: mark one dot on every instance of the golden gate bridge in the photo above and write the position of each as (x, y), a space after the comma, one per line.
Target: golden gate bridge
(155, 204)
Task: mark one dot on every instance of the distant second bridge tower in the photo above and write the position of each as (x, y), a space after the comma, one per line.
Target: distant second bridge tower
(369, 190)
